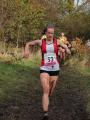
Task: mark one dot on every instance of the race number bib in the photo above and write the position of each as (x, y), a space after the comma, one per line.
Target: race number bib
(50, 60)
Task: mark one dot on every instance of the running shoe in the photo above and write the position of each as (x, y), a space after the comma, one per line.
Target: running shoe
(45, 118)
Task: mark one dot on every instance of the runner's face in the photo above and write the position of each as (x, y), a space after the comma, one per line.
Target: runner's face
(62, 34)
(50, 33)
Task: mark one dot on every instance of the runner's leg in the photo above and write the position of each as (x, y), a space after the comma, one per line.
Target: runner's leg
(45, 86)
(52, 82)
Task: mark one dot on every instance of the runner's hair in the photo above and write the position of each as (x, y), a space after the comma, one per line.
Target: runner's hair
(50, 26)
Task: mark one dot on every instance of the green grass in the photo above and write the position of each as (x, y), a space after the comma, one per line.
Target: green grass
(79, 63)
(17, 77)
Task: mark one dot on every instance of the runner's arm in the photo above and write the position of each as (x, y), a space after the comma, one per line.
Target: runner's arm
(28, 44)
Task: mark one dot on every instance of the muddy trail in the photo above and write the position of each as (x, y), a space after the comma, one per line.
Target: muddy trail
(68, 101)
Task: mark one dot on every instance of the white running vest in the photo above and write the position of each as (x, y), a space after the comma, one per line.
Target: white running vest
(50, 59)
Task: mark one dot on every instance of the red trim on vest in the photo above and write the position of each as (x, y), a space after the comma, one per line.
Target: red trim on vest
(42, 62)
(56, 49)
(55, 45)
(43, 49)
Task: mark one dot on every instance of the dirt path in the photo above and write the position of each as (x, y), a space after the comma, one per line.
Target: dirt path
(67, 103)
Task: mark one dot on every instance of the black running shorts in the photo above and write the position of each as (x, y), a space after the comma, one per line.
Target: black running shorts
(51, 73)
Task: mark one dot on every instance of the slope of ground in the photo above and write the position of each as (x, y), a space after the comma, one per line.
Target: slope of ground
(20, 94)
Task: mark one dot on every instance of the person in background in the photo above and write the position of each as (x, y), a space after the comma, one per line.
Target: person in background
(63, 40)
